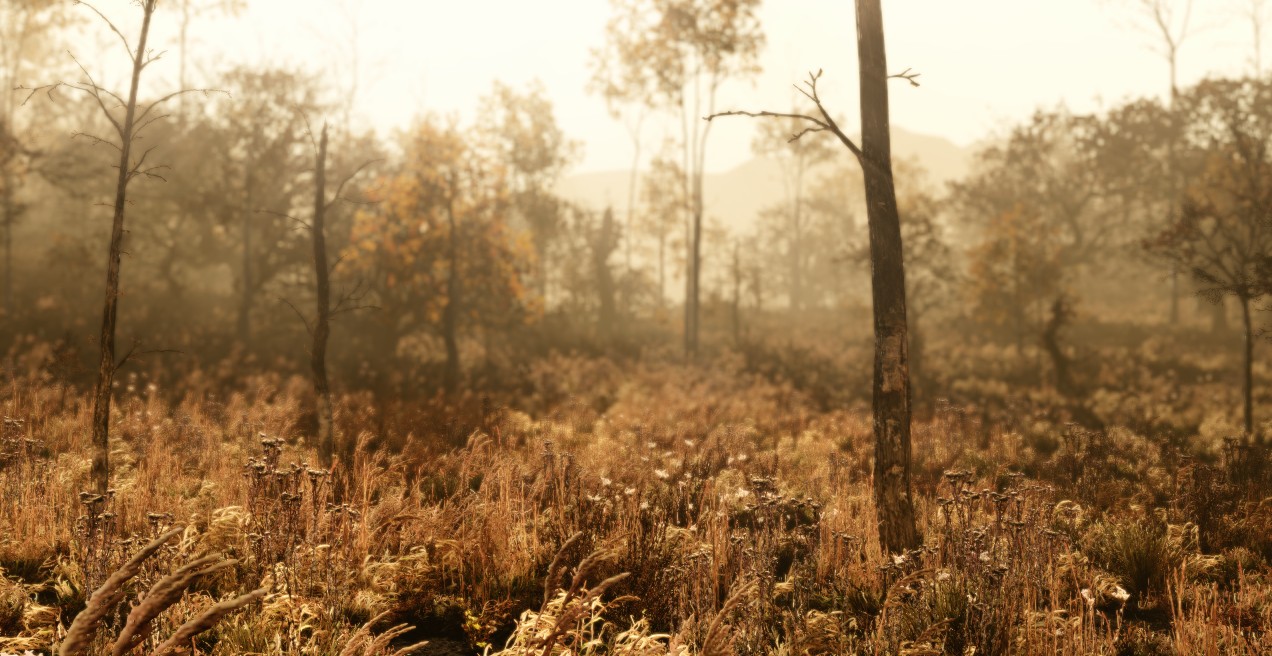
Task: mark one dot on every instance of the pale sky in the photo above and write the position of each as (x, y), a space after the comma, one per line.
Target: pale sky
(985, 64)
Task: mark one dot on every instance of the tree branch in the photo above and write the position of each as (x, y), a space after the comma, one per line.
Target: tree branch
(824, 124)
(303, 320)
(123, 39)
(174, 94)
(349, 178)
(906, 75)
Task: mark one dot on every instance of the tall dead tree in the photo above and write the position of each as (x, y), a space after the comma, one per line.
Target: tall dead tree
(107, 365)
(322, 317)
(325, 310)
(891, 389)
(127, 129)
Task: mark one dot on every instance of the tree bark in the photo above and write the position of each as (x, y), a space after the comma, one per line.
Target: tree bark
(322, 320)
(107, 365)
(891, 402)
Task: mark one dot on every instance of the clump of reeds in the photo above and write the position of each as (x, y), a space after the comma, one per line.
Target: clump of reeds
(165, 593)
(365, 643)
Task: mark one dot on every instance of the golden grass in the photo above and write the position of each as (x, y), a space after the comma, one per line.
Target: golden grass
(690, 513)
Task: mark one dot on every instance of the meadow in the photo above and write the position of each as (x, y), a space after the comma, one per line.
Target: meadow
(644, 507)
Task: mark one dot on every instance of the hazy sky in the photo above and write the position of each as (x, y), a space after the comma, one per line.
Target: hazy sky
(984, 63)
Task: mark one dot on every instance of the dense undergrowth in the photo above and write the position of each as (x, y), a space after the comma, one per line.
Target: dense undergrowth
(641, 509)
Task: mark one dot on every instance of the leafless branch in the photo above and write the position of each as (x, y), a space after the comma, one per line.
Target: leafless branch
(152, 172)
(152, 58)
(137, 130)
(349, 178)
(141, 160)
(94, 139)
(134, 353)
(141, 117)
(93, 83)
(339, 309)
(908, 76)
(47, 88)
(823, 124)
(96, 92)
(123, 39)
(309, 130)
(351, 301)
(299, 314)
(285, 216)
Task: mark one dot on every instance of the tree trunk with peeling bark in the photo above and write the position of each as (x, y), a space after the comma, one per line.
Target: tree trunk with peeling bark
(891, 407)
(107, 365)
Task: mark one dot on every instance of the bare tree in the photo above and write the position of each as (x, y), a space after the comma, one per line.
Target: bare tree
(127, 128)
(891, 389)
(325, 311)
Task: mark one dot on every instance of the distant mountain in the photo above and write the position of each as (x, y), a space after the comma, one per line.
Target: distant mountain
(737, 196)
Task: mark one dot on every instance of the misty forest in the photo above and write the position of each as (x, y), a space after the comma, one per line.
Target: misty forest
(681, 356)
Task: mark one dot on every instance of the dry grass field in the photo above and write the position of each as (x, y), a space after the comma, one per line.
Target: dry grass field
(667, 510)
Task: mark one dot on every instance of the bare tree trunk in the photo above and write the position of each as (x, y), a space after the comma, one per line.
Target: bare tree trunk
(1248, 368)
(450, 316)
(107, 366)
(245, 301)
(893, 500)
(322, 320)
